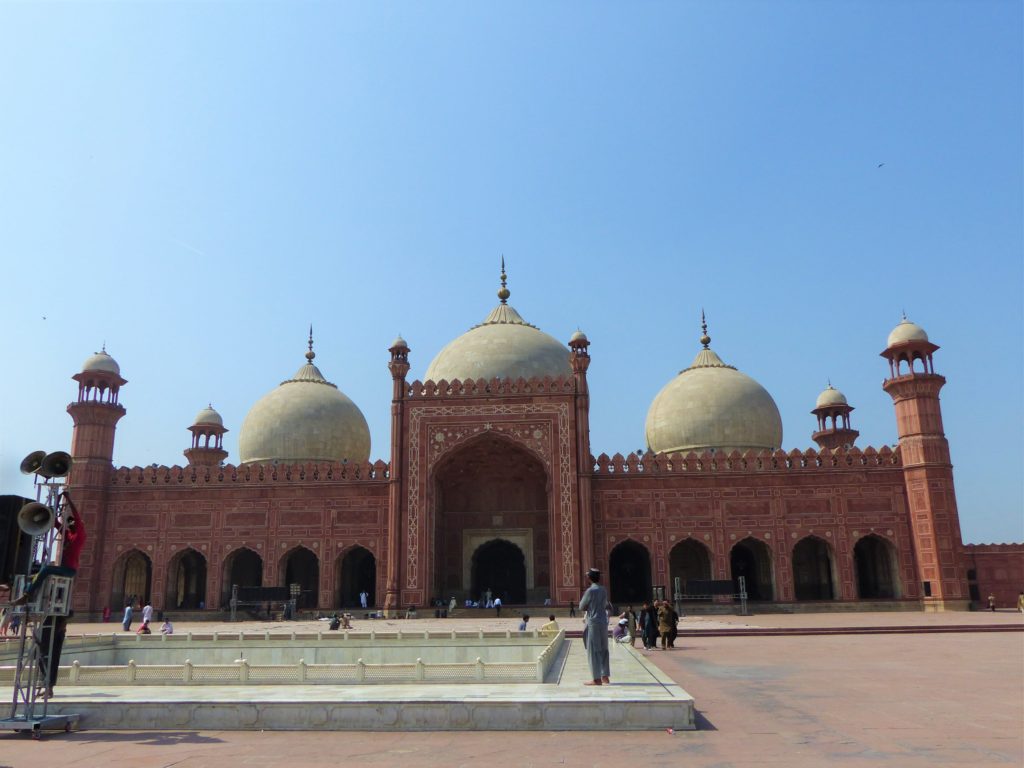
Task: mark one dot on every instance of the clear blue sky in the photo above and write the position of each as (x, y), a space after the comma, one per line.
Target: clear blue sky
(195, 183)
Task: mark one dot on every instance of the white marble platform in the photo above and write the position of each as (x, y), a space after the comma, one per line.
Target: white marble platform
(641, 697)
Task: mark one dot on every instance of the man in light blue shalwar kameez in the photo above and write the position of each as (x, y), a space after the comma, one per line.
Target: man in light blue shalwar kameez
(595, 606)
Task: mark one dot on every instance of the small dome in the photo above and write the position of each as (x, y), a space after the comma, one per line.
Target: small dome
(906, 331)
(578, 336)
(306, 418)
(711, 405)
(101, 361)
(398, 343)
(503, 346)
(208, 416)
(831, 396)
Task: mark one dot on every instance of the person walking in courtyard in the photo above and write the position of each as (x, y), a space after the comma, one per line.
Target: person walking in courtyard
(488, 598)
(664, 624)
(497, 607)
(594, 604)
(649, 625)
(147, 613)
(991, 601)
(1020, 602)
(126, 622)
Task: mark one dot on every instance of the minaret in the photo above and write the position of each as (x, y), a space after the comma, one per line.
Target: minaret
(579, 358)
(207, 439)
(95, 414)
(399, 367)
(931, 499)
(833, 414)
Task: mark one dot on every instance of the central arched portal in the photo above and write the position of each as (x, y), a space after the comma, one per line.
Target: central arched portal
(499, 566)
(491, 523)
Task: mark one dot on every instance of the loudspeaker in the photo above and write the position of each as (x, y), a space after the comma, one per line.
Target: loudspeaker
(15, 546)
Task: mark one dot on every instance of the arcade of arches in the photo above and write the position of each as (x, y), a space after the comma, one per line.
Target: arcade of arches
(491, 523)
(814, 569)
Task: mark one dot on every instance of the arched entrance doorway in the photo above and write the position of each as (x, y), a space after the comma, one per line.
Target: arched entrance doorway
(133, 577)
(688, 561)
(491, 489)
(244, 568)
(752, 560)
(874, 560)
(500, 566)
(629, 573)
(812, 570)
(357, 573)
(302, 567)
(186, 581)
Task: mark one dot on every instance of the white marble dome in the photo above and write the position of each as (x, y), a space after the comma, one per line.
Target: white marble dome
(503, 346)
(101, 361)
(306, 418)
(906, 331)
(208, 416)
(830, 397)
(711, 405)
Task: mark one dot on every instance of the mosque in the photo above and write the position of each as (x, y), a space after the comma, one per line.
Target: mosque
(490, 484)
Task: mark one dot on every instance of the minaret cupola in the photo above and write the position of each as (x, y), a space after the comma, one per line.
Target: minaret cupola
(207, 439)
(833, 412)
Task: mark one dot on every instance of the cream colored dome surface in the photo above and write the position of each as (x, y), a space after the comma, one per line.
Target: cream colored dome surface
(101, 361)
(712, 405)
(830, 396)
(504, 346)
(906, 331)
(208, 416)
(305, 419)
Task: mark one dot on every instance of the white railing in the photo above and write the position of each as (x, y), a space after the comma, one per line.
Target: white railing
(242, 672)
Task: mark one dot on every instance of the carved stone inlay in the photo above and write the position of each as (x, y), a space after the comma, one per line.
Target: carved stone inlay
(535, 435)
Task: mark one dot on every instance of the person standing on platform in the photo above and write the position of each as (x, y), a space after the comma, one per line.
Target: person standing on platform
(488, 598)
(147, 613)
(364, 596)
(594, 605)
(497, 607)
(126, 622)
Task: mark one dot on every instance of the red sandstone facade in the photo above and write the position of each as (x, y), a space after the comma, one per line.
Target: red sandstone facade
(483, 469)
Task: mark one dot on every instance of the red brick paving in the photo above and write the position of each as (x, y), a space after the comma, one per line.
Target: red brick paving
(866, 700)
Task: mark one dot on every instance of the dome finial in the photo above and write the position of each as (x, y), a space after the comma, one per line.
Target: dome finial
(103, 347)
(310, 354)
(503, 292)
(704, 338)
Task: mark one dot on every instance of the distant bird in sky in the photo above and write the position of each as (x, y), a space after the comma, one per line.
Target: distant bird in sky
(880, 165)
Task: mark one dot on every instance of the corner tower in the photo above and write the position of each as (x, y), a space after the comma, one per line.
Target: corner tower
(95, 414)
(914, 388)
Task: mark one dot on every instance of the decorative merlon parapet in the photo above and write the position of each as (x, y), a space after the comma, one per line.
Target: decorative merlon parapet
(559, 385)
(749, 461)
(322, 471)
(993, 549)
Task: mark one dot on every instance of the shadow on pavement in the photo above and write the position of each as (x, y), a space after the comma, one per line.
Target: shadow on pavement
(702, 723)
(151, 738)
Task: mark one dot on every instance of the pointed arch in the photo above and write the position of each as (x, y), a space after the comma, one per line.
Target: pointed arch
(242, 567)
(301, 566)
(629, 573)
(751, 558)
(356, 570)
(814, 576)
(689, 560)
(876, 565)
(133, 579)
(186, 581)
(499, 567)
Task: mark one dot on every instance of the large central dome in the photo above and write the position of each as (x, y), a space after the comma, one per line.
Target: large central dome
(711, 405)
(307, 418)
(503, 346)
